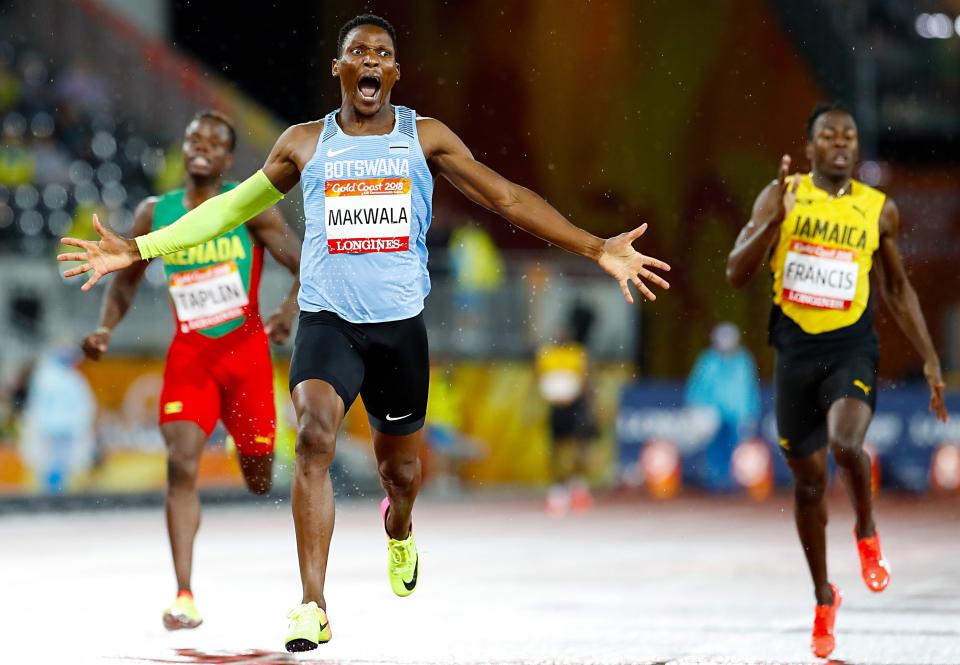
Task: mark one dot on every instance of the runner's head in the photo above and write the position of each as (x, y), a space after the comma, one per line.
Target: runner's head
(832, 146)
(208, 144)
(366, 63)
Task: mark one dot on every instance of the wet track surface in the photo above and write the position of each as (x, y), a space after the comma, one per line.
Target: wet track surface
(693, 581)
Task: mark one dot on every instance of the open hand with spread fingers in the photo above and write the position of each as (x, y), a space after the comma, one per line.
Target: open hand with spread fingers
(109, 254)
(625, 264)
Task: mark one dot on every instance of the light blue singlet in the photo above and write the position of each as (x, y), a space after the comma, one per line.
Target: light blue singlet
(367, 202)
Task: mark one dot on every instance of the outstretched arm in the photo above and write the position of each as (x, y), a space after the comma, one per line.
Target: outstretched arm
(269, 230)
(758, 236)
(213, 218)
(123, 288)
(904, 305)
(449, 157)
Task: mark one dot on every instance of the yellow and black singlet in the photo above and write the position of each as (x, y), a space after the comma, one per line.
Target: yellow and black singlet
(562, 369)
(821, 267)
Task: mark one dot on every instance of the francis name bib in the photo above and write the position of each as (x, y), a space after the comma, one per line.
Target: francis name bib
(821, 277)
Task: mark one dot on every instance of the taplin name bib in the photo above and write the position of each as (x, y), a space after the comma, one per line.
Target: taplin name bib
(368, 215)
(209, 296)
(821, 277)
(367, 201)
(213, 286)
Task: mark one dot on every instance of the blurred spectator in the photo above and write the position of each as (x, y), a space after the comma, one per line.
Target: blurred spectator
(724, 378)
(17, 162)
(478, 273)
(438, 240)
(9, 87)
(449, 447)
(52, 160)
(58, 421)
(65, 152)
(81, 86)
(562, 371)
(35, 76)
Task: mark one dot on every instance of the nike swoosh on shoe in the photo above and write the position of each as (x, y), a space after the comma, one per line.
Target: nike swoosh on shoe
(409, 586)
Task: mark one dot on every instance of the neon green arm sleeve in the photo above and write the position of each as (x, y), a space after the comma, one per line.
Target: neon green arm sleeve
(212, 218)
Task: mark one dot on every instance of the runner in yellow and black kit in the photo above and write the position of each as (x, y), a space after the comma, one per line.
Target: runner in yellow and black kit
(825, 235)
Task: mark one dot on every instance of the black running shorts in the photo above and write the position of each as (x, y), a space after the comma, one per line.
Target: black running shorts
(805, 388)
(387, 364)
(572, 421)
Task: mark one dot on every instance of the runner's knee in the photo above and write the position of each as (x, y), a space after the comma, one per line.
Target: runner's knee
(259, 486)
(810, 488)
(847, 450)
(401, 475)
(257, 473)
(810, 477)
(316, 440)
(182, 466)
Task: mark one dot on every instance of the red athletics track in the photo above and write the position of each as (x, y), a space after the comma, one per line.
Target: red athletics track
(695, 580)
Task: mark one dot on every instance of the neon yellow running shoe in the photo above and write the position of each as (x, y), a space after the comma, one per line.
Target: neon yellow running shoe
(183, 614)
(309, 627)
(403, 565)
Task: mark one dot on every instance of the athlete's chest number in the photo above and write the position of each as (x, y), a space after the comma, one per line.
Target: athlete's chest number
(368, 215)
(819, 276)
(208, 297)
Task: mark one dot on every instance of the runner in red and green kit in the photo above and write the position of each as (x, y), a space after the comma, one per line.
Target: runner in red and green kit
(218, 366)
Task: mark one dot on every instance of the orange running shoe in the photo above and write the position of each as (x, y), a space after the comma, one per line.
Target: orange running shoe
(558, 501)
(873, 567)
(824, 617)
(581, 500)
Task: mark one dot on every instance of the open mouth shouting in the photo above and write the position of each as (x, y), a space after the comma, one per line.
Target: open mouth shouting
(368, 86)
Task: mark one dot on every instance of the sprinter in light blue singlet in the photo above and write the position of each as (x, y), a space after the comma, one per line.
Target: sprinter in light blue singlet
(367, 171)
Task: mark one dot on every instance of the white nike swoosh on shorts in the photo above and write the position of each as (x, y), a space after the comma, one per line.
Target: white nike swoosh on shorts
(333, 153)
(399, 417)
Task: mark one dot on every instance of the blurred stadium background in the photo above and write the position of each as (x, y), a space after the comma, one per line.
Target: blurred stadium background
(616, 111)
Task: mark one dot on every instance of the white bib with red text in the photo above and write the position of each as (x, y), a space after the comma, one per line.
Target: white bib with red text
(819, 276)
(209, 296)
(368, 215)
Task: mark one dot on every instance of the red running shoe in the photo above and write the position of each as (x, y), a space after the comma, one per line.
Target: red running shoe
(824, 617)
(581, 500)
(873, 567)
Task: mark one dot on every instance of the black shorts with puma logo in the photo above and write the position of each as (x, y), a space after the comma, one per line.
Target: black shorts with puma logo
(806, 386)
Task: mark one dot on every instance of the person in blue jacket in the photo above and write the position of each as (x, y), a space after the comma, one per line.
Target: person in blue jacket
(724, 378)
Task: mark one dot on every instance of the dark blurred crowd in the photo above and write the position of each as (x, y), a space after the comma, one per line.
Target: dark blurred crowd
(66, 152)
